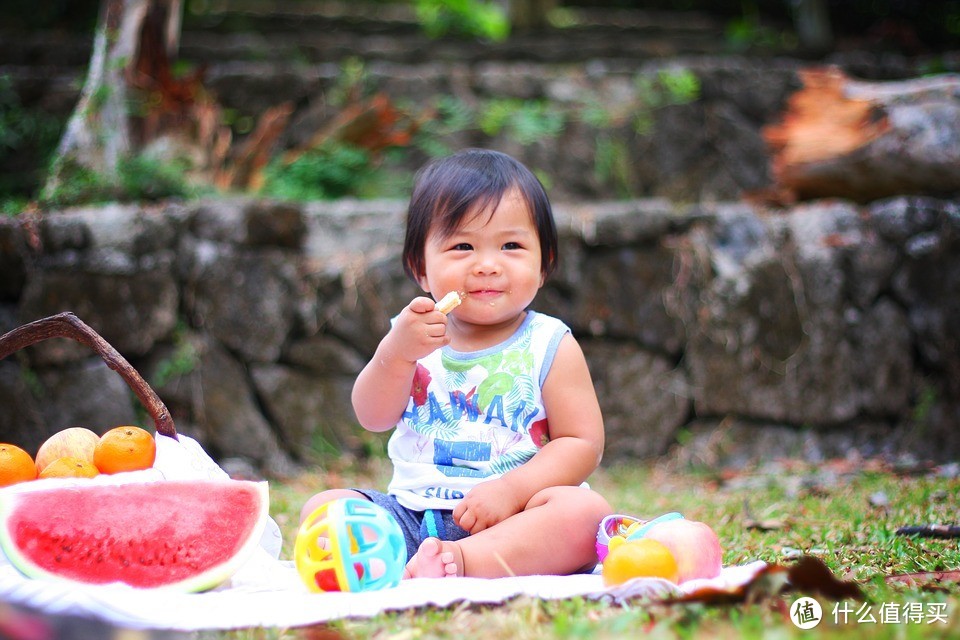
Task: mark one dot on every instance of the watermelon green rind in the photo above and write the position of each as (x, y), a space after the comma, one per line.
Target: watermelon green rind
(179, 535)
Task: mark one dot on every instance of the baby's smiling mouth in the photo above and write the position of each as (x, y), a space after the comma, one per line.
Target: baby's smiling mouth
(480, 293)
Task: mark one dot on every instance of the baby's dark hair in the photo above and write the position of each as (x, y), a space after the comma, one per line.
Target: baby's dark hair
(449, 189)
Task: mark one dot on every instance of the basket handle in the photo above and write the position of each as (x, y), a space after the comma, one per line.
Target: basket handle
(68, 325)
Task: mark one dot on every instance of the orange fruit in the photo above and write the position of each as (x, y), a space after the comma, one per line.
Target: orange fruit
(68, 467)
(125, 448)
(639, 558)
(16, 465)
(74, 442)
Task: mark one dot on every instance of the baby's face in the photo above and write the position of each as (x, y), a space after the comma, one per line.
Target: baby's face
(494, 259)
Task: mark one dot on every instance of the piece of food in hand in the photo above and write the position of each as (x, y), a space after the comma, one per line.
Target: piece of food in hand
(449, 302)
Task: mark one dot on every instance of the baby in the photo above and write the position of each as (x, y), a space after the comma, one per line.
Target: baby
(496, 421)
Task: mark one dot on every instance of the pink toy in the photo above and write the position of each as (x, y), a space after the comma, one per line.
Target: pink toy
(695, 545)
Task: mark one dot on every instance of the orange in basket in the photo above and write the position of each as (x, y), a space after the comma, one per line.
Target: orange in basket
(125, 448)
(16, 465)
(68, 467)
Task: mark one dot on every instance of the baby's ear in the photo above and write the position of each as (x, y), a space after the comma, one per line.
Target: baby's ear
(422, 281)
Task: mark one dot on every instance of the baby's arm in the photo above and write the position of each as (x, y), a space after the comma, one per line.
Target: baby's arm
(573, 453)
(382, 390)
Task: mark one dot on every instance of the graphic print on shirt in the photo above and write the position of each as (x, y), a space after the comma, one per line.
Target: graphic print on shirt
(480, 415)
(456, 459)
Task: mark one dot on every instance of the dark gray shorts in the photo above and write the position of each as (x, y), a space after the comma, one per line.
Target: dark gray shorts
(417, 526)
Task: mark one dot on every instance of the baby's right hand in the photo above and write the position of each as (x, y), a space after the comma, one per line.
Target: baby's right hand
(418, 331)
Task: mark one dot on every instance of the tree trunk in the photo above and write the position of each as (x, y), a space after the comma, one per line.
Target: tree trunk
(841, 137)
(98, 134)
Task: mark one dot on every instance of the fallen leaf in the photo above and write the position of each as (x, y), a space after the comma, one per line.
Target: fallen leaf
(811, 575)
(765, 525)
(768, 582)
(807, 575)
(320, 632)
(750, 522)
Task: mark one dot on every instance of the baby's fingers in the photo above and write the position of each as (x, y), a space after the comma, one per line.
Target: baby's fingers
(466, 521)
(422, 304)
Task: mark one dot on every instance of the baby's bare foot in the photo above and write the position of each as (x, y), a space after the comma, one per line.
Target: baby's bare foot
(435, 559)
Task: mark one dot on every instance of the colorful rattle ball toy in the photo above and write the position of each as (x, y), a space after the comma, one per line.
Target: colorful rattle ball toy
(350, 545)
(616, 529)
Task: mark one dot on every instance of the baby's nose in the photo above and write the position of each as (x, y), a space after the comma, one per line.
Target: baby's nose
(486, 265)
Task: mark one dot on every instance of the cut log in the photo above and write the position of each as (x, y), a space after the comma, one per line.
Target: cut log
(845, 138)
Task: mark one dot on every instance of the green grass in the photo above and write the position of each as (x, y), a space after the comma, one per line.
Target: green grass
(846, 514)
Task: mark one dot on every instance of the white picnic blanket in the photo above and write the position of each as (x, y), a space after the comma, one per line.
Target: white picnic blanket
(268, 592)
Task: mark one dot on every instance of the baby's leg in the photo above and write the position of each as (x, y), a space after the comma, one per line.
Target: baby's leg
(318, 499)
(554, 535)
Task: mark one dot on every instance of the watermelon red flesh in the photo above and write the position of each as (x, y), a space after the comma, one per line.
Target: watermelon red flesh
(188, 535)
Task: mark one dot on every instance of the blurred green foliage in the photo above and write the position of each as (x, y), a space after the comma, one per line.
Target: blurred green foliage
(27, 138)
(450, 116)
(663, 88)
(478, 18)
(331, 171)
(139, 178)
(525, 121)
(183, 360)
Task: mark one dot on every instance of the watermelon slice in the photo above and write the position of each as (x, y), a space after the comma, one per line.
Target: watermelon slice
(183, 535)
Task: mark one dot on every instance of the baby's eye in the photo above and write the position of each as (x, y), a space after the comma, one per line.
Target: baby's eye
(512, 246)
(462, 246)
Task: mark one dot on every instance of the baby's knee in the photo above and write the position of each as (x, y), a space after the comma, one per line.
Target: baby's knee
(576, 507)
(317, 500)
(578, 512)
(592, 508)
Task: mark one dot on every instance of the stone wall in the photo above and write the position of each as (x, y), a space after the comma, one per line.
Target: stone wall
(740, 332)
